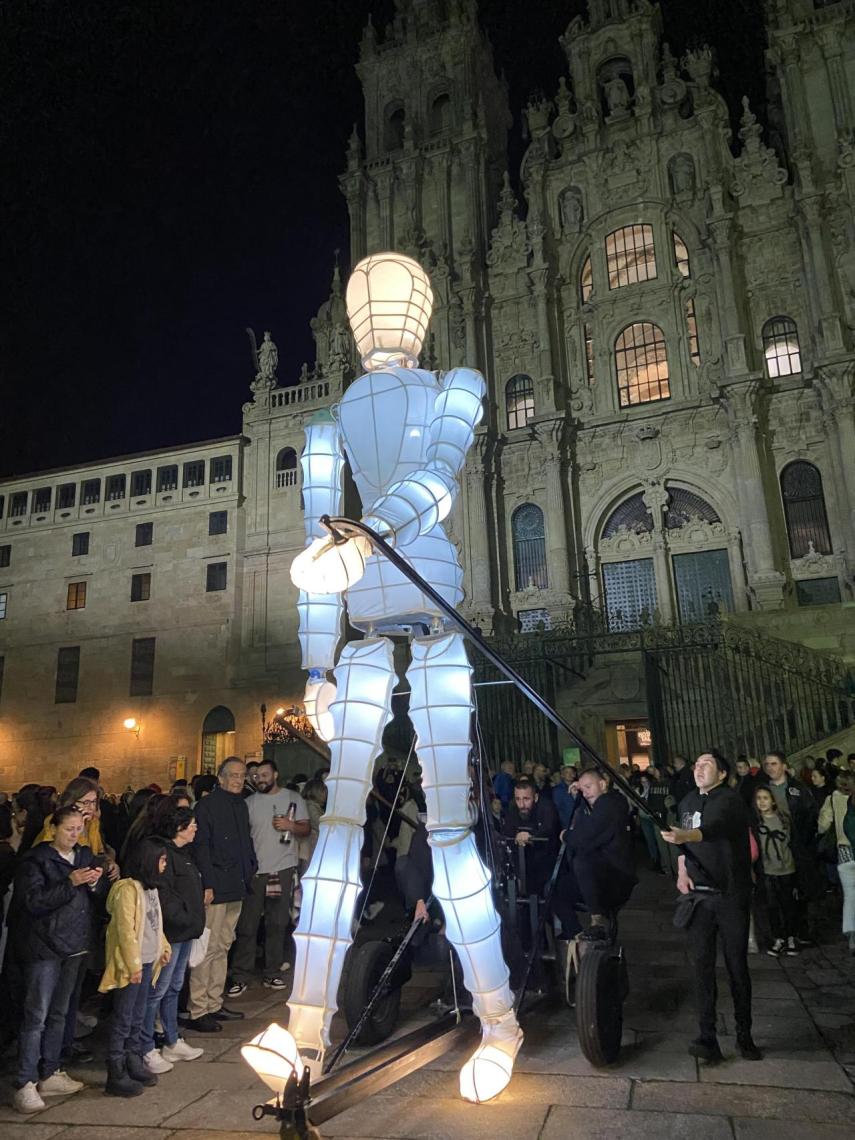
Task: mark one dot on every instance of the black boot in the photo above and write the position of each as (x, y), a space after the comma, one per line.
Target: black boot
(137, 1070)
(118, 1081)
(706, 1050)
(746, 1046)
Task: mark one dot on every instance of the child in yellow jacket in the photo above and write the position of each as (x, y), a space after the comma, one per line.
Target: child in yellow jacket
(136, 950)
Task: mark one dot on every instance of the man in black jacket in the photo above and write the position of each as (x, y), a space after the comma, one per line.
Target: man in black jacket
(532, 822)
(601, 866)
(716, 866)
(226, 859)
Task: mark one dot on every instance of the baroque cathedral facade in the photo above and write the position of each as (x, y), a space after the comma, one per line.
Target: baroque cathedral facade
(663, 312)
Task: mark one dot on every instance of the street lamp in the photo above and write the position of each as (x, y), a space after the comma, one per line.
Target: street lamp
(131, 724)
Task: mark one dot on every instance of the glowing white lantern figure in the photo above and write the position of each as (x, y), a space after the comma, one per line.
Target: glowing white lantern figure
(406, 433)
(274, 1057)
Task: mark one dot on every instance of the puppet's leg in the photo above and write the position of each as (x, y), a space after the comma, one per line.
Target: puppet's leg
(365, 677)
(440, 708)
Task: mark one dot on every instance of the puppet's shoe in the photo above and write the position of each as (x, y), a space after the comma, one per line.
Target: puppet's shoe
(489, 1069)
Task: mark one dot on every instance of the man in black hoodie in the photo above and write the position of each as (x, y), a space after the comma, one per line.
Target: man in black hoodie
(226, 860)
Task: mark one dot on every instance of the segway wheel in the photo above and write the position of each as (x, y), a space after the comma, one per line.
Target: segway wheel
(601, 987)
(367, 964)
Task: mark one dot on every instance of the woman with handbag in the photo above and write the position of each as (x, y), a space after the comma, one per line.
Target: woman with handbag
(837, 820)
(182, 905)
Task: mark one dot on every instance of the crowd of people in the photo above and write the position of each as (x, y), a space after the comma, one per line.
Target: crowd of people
(141, 897)
(166, 900)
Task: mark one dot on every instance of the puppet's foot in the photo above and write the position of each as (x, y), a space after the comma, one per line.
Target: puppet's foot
(489, 1069)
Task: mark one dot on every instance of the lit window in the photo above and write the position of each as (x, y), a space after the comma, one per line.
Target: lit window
(631, 256)
(586, 280)
(681, 256)
(641, 360)
(286, 468)
(140, 587)
(76, 596)
(80, 543)
(781, 347)
(692, 328)
(519, 400)
(804, 509)
(529, 541)
(216, 576)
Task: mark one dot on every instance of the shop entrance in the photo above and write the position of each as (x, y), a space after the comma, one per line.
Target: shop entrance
(629, 742)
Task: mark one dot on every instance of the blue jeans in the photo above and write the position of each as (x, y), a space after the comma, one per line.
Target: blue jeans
(49, 986)
(164, 996)
(126, 1023)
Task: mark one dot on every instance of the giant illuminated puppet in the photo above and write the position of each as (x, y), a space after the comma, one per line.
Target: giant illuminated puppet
(405, 432)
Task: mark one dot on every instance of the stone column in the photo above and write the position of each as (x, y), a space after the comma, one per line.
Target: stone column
(831, 45)
(656, 500)
(764, 579)
(836, 385)
(734, 337)
(550, 435)
(476, 530)
(383, 183)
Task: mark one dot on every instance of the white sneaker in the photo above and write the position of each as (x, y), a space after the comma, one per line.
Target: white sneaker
(59, 1084)
(27, 1099)
(180, 1051)
(155, 1063)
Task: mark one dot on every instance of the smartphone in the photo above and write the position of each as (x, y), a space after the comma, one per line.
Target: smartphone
(98, 861)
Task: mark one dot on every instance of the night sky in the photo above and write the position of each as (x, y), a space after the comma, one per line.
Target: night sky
(171, 178)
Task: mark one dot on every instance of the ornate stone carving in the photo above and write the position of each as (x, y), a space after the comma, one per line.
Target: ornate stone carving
(509, 245)
(813, 564)
(627, 541)
(757, 177)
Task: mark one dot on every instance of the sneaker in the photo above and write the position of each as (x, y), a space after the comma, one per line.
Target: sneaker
(792, 950)
(27, 1099)
(180, 1051)
(155, 1063)
(59, 1084)
(275, 984)
(775, 949)
(237, 988)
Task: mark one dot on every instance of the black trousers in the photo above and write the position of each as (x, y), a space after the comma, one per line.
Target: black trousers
(783, 905)
(277, 919)
(587, 881)
(728, 919)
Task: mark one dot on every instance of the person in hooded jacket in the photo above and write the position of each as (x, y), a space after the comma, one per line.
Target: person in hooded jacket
(182, 906)
(54, 885)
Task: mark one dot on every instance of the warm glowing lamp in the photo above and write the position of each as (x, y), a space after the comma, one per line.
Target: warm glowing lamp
(132, 725)
(280, 712)
(389, 304)
(274, 1056)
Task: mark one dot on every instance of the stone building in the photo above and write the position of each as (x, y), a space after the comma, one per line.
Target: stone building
(664, 314)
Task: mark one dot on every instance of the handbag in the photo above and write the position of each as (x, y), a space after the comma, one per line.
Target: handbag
(199, 948)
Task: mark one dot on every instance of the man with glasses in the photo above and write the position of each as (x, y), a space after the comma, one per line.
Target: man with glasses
(226, 860)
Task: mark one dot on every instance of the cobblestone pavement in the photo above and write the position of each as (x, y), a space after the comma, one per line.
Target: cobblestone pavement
(804, 1016)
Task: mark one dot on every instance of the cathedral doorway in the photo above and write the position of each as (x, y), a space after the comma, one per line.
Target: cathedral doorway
(218, 729)
(629, 742)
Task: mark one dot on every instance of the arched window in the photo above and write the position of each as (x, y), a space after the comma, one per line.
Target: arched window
(632, 514)
(440, 114)
(529, 539)
(641, 362)
(395, 128)
(781, 347)
(519, 400)
(692, 330)
(684, 505)
(286, 468)
(804, 509)
(681, 255)
(586, 280)
(631, 256)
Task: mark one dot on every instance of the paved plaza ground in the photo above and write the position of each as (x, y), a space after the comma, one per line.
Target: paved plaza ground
(804, 1016)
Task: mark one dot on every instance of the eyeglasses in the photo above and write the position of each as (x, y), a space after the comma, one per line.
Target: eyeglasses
(86, 803)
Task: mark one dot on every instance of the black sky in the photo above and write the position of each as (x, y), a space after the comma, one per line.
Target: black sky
(171, 177)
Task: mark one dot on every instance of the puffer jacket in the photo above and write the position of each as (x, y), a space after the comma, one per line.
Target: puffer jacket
(181, 897)
(126, 907)
(54, 918)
